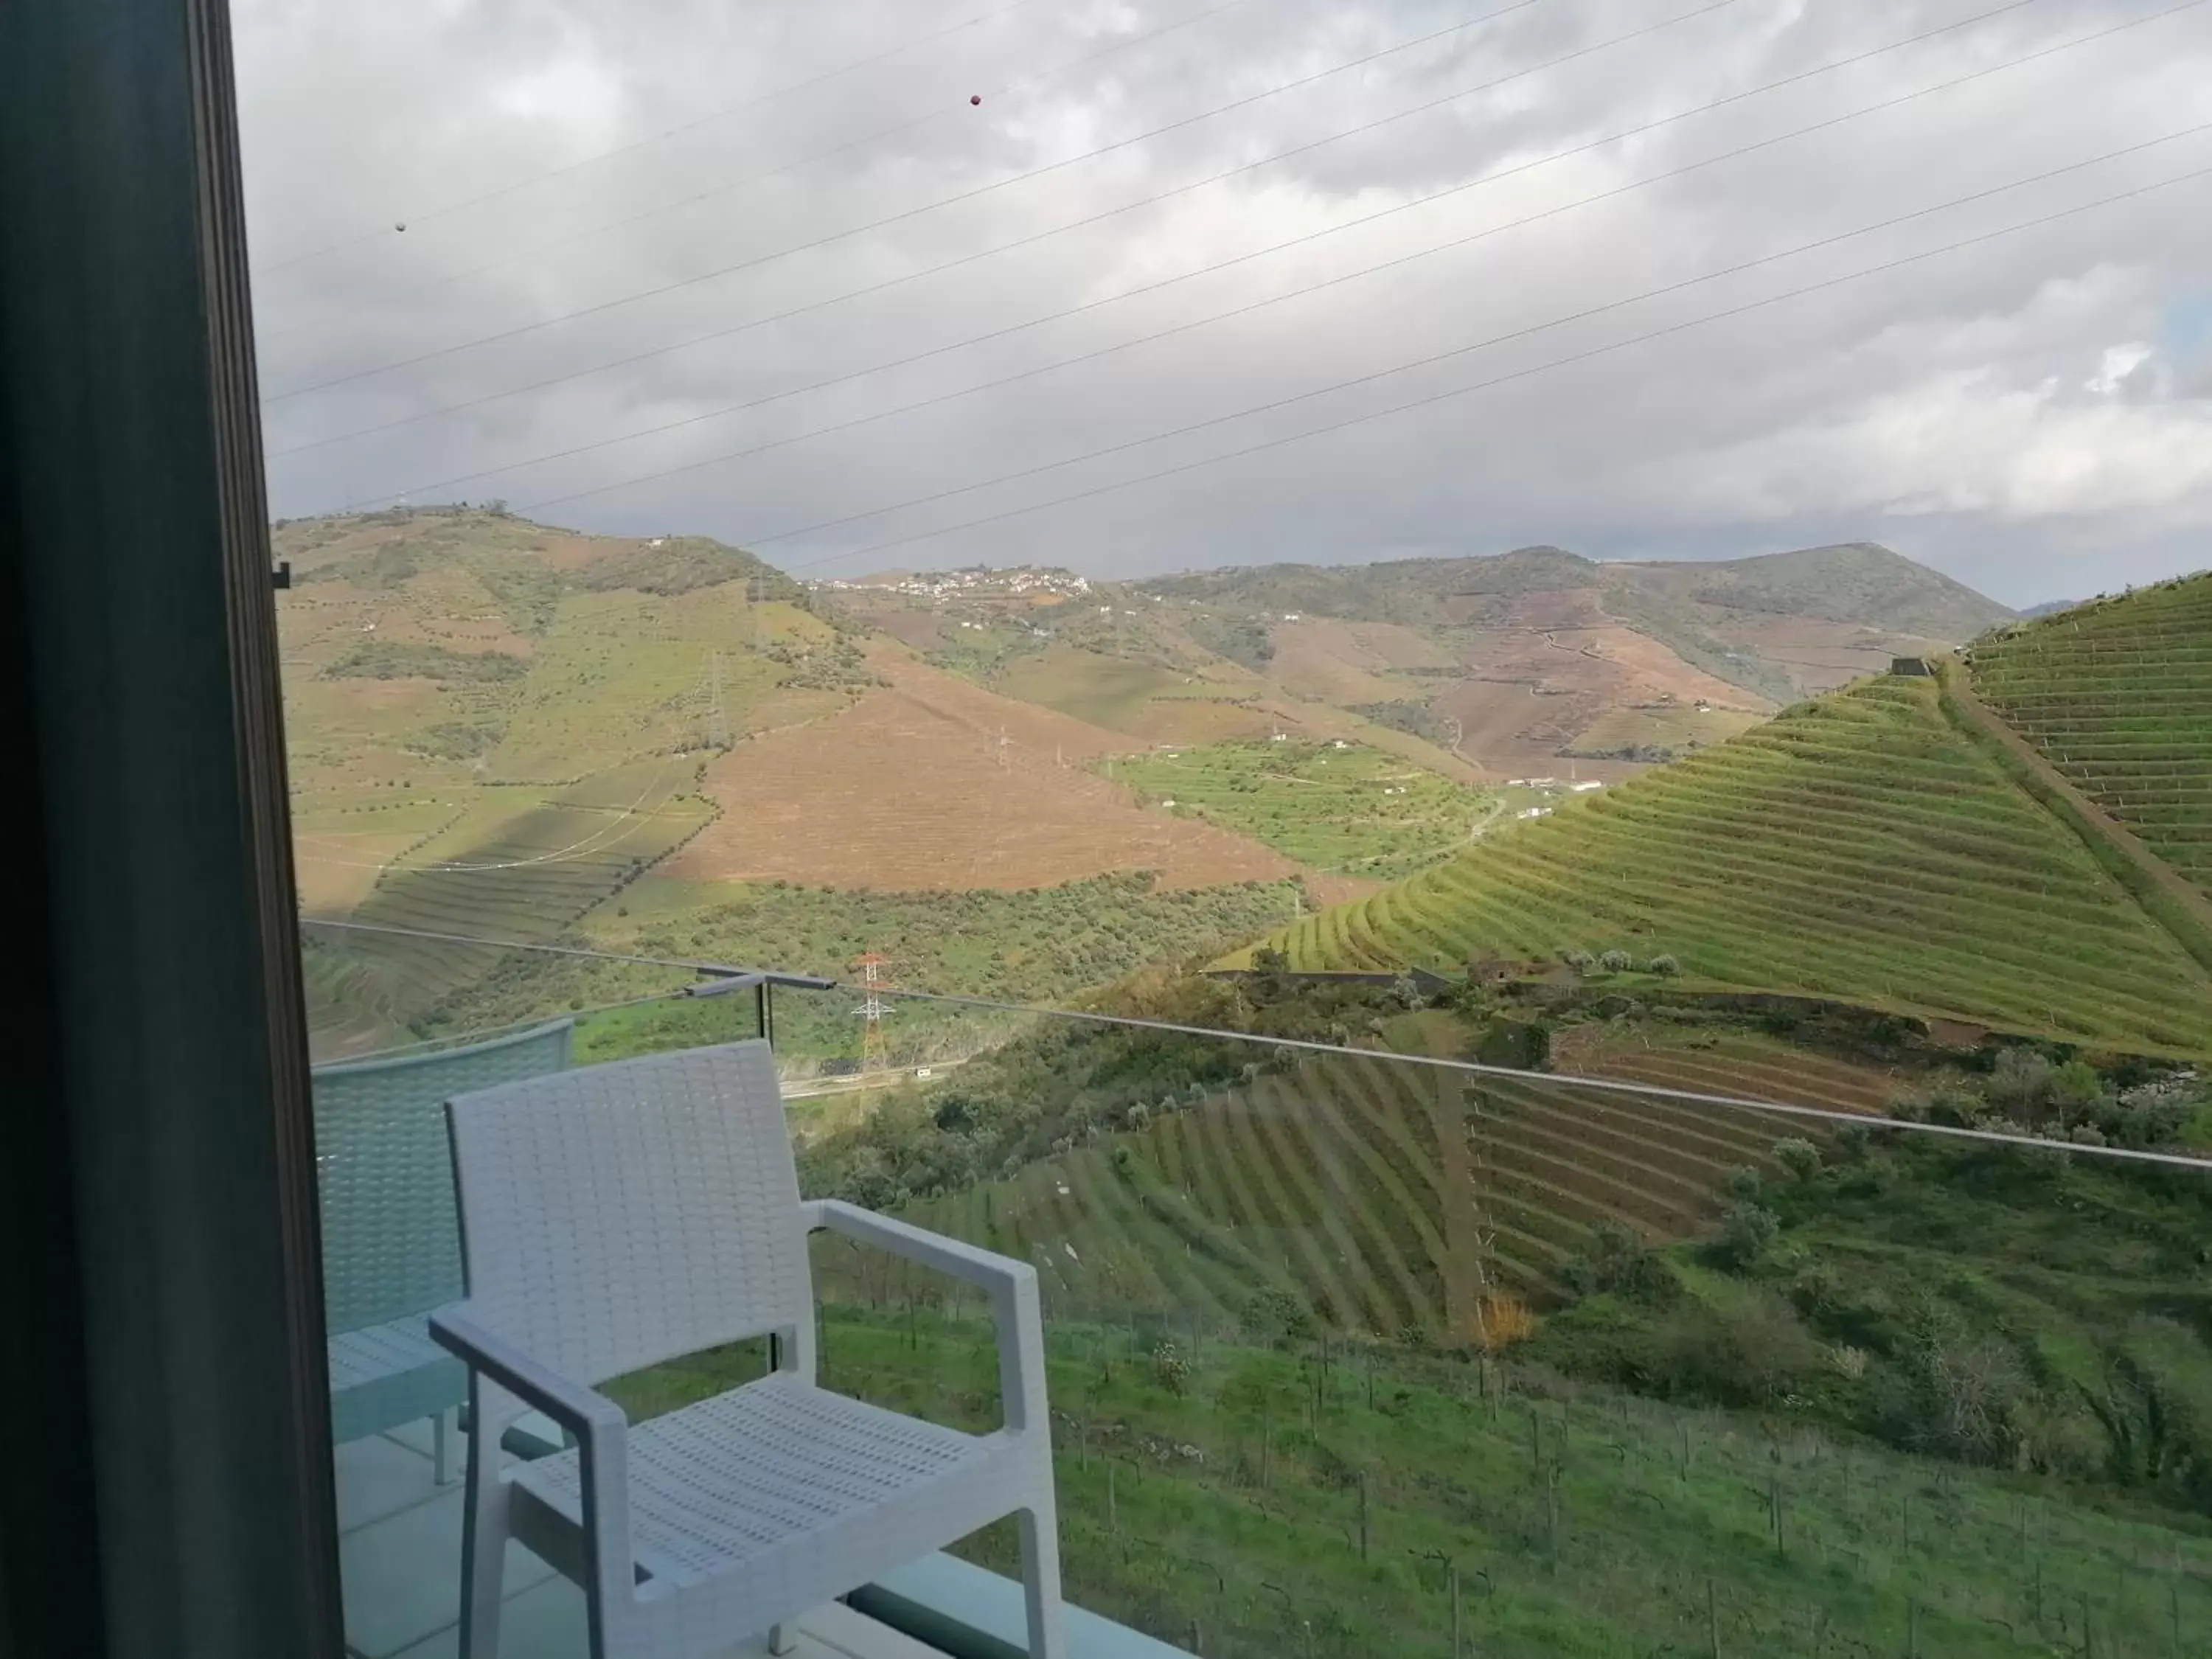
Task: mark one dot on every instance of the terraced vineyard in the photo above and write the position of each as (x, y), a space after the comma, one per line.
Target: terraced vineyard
(2117, 695)
(1738, 1063)
(1858, 847)
(1377, 1195)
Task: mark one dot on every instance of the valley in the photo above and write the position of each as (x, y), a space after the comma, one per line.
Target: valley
(1606, 1244)
(497, 728)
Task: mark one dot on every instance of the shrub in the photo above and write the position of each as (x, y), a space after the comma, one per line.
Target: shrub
(1752, 1352)
(1798, 1156)
(1957, 1109)
(2154, 1114)
(2076, 1086)
(1744, 1184)
(1170, 1369)
(1954, 1393)
(1616, 961)
(1854, 1140)
(1664, 965)
(2020, 1078)
(1746, 1231)
(1618, 1261)
(1276, 1316)
(1580, 961)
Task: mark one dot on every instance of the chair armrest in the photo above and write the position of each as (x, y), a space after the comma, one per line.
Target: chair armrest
(947, 1255)
(1012, 1287)
(602, 1439)
(585, 1413)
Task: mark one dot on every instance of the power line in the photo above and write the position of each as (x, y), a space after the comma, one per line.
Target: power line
(1602, 1085)
(1441, 396)
(970, 194)
(1143, 289)
(423, 216)
(1246, 309)
(1553, 1079)
(938, 114)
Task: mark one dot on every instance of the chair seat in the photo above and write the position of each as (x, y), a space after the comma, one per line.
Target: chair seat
(722, 1483)
(382, 1375)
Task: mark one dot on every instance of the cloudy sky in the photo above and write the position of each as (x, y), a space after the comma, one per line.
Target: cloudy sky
(1560, 270)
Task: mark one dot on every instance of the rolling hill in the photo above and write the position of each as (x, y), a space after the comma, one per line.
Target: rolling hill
(1537, 662)
(1867, 846)
(497, 728)
(1775, 626)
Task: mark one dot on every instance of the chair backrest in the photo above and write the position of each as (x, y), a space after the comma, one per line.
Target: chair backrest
(619, 1215)
(391, 1237)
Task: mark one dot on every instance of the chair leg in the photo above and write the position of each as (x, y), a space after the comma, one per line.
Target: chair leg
(442, 1448)
(484, 1550)
(1040, 1535)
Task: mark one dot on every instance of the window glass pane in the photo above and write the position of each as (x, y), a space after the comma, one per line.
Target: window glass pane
(1414, 699)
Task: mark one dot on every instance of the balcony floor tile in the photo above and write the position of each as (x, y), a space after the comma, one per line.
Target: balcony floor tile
(399, 1551)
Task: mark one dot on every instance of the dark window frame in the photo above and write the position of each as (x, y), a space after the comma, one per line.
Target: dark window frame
(165, 1458)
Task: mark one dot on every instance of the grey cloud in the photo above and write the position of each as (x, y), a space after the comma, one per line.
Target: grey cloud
(357, 117)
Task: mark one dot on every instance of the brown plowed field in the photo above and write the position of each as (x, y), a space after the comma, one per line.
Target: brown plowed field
(913, 787)
(1325, 660)
(1510, 732)
(1551, 665)
(1386, 645)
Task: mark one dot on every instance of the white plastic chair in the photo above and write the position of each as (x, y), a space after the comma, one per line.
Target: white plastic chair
(622, 1215)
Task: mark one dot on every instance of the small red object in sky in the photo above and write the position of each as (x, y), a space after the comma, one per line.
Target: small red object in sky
(977, 99)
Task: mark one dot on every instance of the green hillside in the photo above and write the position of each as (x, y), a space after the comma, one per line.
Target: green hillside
(1221, 1503)
(1337, 806)
(2117, 695)
(1856, 582)
(1658, 1375)
(1858, 847)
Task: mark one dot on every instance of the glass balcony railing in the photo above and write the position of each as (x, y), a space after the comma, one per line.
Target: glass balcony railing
(1674, 1338)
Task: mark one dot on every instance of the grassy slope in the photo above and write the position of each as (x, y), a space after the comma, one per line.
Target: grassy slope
(1857, 582)
(1353, 810)
(1043, 944)
(1582, 1524)
(1858, 847)
(1142, 672)
(2117, 695)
